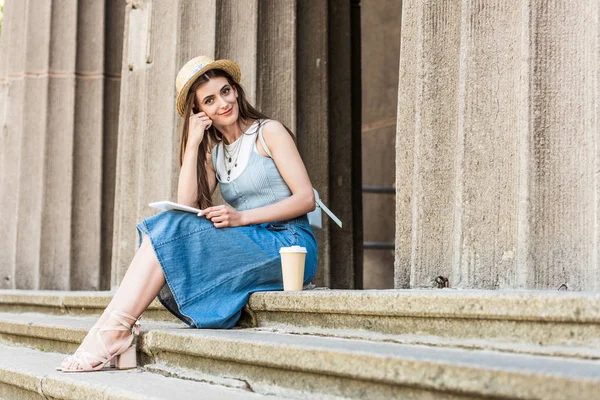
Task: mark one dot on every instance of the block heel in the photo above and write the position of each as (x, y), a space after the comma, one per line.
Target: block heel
(126, 360)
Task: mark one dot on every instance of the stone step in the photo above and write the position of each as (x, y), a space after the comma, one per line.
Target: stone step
(57, 333)
(30, 374)
(80, 303)
(565, 321)
(582, 352)
(306, 366)
(564, 324)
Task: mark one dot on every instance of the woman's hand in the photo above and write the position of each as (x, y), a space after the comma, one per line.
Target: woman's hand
(199, 123)
(223, 216)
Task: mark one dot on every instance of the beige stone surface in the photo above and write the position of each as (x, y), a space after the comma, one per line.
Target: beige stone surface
(115, 15)
(276, 84)
(287, 364)
(514, 304)
(425, 140)
(495, 164)
(312, 133)
(55, 240)
(346, 328)
(241, 42)
(448, 370)
(195, 376)
(60, 333)
(32, 146)
(52, 102)
(33, 371)
(515, 317)
(88, 147)
(405, 143)
(71, 303)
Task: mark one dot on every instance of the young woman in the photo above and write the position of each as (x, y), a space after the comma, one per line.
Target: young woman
(204, 267)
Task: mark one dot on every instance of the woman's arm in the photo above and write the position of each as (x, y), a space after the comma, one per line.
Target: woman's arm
(292, 169)
(187, 189)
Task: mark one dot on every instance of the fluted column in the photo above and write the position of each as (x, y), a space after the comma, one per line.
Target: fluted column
(496, 157)
(54, 128)
(262, 36)
(12, 86)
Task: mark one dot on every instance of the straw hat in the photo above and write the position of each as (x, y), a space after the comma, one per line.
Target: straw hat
(197, 66)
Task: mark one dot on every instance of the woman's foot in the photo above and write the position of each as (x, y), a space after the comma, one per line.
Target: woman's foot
(88, 340)
(112, 336)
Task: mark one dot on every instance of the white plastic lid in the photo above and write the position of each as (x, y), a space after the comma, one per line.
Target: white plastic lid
(292, 249)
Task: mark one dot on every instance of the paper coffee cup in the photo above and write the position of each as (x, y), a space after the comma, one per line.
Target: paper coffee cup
(292, 267)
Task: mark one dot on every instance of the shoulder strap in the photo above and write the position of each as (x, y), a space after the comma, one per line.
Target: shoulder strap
(327, 210)
(262, 139)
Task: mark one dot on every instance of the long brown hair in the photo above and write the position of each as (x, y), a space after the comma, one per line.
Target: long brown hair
(246, 112)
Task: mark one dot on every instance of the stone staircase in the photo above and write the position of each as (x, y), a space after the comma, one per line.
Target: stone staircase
(321, 344)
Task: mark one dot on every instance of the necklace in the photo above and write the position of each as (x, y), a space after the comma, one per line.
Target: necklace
(233, 149)
(229, 156)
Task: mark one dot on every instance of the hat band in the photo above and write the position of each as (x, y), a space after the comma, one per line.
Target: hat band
(194, 71)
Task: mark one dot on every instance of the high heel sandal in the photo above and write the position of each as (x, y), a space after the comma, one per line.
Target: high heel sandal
(80, 349)
(124, 358)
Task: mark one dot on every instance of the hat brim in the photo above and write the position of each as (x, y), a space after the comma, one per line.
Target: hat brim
(228, 66)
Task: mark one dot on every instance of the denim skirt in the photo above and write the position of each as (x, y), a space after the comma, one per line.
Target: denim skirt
(211, 272)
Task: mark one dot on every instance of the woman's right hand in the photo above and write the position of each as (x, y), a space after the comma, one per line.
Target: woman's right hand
(199, 123)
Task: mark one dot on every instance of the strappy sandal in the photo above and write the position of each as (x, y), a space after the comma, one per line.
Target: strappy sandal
(80, 349)
(124, 358)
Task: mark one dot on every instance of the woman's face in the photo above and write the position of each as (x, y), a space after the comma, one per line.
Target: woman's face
(218, 99)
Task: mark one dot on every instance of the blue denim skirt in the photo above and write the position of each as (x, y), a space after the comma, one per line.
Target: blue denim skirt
(211, 272)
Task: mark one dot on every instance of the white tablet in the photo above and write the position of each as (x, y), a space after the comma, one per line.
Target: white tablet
(169, 205)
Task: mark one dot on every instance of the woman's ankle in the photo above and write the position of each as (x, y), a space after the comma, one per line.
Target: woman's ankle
(103, 317)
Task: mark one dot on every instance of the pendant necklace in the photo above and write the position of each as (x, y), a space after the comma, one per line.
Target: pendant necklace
(234, 149)
(229, 157)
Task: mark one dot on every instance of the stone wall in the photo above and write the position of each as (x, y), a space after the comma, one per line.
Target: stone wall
(497, 145)
(59, 89)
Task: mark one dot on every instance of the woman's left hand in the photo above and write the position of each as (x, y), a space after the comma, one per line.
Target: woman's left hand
(222, 216)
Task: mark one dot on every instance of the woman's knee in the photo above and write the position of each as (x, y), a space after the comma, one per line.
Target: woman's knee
(147, 252)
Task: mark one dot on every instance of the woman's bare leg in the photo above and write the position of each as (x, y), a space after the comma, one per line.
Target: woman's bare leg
(142, 282)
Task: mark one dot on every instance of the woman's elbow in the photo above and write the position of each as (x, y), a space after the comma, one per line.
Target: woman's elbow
(309, 199)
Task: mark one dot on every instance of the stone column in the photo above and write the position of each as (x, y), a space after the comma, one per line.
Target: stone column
(53, 119)
(283, 76)
(496, 159)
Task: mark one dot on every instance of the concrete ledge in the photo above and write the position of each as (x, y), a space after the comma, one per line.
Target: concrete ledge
(347, 367)
(547, 306)
(580, 352)
(26, 373)
(57, 333)
(80, 303)
(526, 317)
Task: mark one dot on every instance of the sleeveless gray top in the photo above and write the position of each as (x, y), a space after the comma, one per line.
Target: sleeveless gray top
(258, 185)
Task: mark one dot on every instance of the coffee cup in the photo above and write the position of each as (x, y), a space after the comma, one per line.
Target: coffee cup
(292, 267)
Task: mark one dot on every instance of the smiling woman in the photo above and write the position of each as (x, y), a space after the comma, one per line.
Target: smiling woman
(204, 267)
